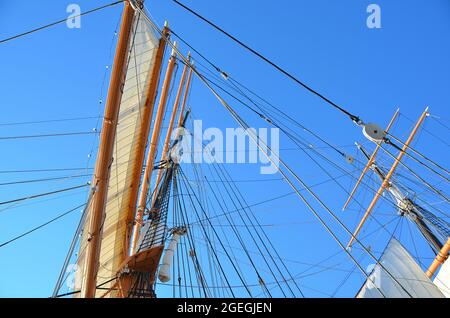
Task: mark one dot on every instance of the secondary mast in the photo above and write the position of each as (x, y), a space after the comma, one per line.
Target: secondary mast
(171, 122)
(387, 179)
(417, 214)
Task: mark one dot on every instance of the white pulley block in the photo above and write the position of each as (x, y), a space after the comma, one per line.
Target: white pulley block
(349, 159)
(373, 132)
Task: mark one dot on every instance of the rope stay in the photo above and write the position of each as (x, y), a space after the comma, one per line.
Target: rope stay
(58, 22)
(353, 117)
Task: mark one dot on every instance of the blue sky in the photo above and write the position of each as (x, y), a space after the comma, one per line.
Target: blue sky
(59, 73)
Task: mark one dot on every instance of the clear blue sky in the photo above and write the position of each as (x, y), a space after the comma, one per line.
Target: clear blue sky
(58, 73)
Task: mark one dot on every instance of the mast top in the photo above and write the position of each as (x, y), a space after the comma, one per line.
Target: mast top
(174, 49)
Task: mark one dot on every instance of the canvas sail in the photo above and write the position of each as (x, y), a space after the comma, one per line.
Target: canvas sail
(397, 261)
(442, 279)
(141, 61)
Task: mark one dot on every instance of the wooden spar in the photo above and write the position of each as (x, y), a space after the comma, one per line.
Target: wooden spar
(105, 152)
(411, 206)
(179, 124)
(169, 129)
(152, 151)
(186, 93)
(441, 257)
(385, 183)
(370, 162)
(147, 115)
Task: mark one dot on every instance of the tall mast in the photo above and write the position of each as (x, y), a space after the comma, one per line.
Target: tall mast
(105, 152)
(186, 93)
(441, 257)
(170, 127)
(152, 151)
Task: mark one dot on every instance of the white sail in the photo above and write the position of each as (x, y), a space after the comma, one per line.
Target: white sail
(442, 279)
(141, 61)
(410, 280)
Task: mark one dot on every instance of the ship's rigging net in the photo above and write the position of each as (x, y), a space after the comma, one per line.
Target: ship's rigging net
(153, 233)
(143, 46)
(407, 272)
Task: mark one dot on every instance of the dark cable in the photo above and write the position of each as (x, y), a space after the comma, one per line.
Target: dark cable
(43, 170)
(49, 135)
(79, 291)
(44, 180)
(43, 194)
(47, 121)
(41, 226)
(58, 22)
(354, 118)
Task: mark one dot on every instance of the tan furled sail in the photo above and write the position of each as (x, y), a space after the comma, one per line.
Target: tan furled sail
(131, 130)
(407, 273)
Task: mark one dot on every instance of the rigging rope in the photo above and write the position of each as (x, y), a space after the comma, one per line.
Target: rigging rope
(58, 22)
(294, 138)
(41, 226)
(44, 170)
(419, 154)
(188, 187)
(48, 121)
(75, 238)
(255, 225)
(44, 179)
(50, 135)
(436, 191)
(44, 194)
(353, 117)
(265, 148)
(199, 271)
(228, 182)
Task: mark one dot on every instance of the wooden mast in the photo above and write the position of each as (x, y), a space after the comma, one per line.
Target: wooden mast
(406, 206)
(105, 152)
(152, 151)
(385, 183)
(186, 92)
(441, 257)
(170, 127)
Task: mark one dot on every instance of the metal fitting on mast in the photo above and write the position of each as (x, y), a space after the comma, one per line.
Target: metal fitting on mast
(137, 4)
